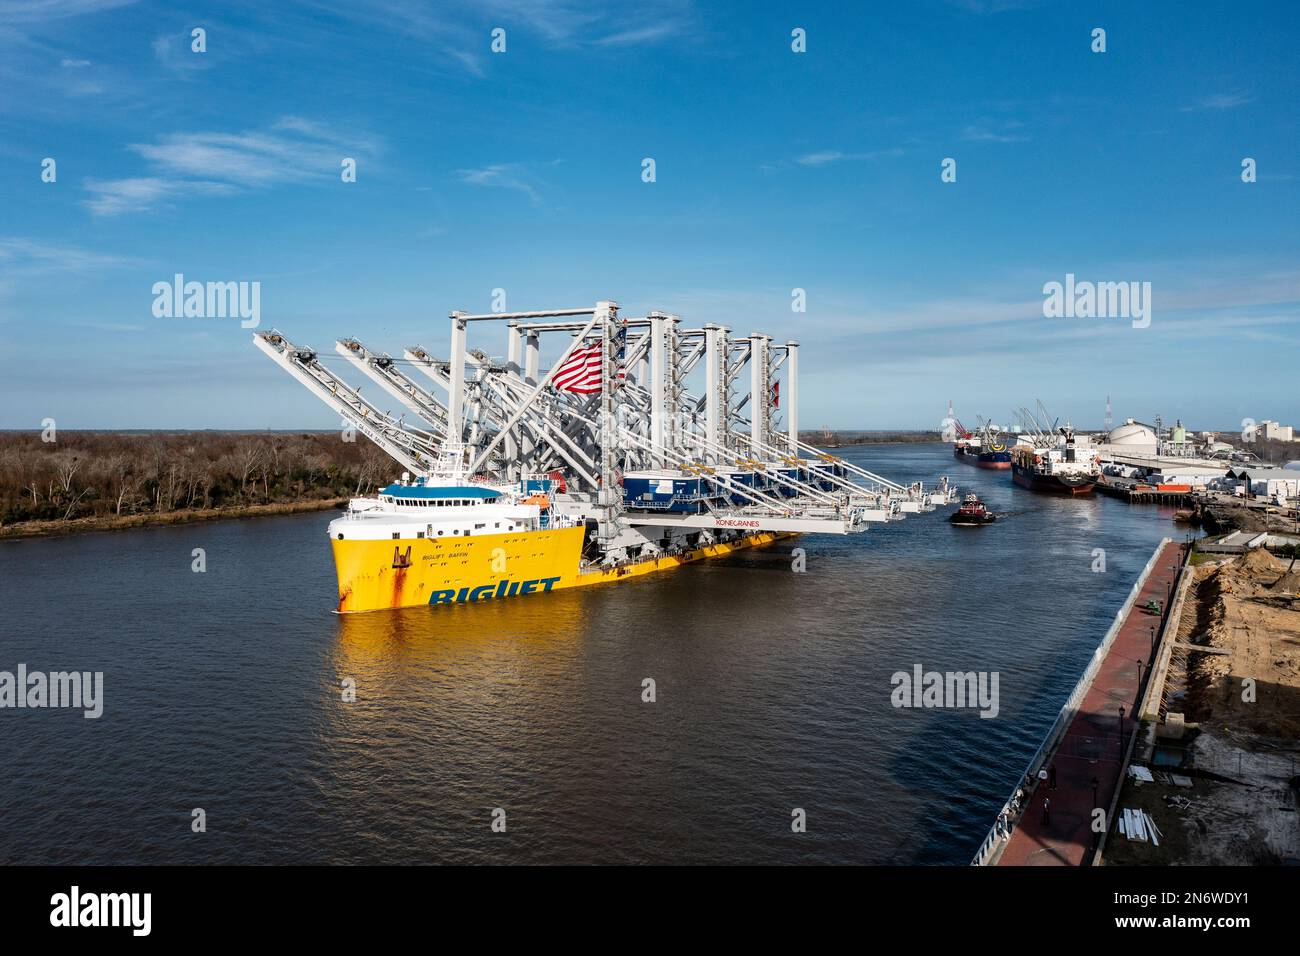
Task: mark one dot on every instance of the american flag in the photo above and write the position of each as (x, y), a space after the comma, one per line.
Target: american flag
(580, 372)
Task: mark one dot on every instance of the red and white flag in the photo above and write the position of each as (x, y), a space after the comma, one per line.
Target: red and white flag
(580, 372)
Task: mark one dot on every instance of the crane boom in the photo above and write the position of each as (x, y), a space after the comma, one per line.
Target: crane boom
(415, 450)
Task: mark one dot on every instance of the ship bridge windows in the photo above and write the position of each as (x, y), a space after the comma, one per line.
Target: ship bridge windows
(439, 502)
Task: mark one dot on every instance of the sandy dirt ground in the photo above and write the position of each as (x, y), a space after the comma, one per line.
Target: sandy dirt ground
(1243, 712)
(1249, 608)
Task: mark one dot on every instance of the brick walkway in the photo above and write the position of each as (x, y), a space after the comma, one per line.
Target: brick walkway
(1092, 745)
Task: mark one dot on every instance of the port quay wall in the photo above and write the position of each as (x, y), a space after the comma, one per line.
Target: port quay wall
(1010, 810)
(1149, 711)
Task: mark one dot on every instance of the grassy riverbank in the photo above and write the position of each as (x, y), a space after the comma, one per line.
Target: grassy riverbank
(40, 529)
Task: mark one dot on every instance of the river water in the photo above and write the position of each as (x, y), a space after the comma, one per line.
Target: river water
(222, 692)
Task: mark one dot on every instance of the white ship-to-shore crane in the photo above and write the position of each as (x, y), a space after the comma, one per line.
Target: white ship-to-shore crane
(651, 464)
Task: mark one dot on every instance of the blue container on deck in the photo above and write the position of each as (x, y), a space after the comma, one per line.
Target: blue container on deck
(785, 471)
(667, 491)
(531, 486)
(737, 476)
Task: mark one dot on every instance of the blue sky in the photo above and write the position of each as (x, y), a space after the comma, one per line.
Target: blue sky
(775, 170)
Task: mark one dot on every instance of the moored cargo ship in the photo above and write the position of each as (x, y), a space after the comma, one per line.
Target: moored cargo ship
(983, 448)
(972, 452)
(1067, 466)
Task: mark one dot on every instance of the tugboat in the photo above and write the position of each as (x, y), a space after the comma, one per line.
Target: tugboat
(972, 512)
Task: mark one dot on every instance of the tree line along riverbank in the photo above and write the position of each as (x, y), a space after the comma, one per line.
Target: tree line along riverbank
(99, 481)
(93, 481)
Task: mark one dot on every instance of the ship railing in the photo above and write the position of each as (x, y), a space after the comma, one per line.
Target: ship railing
(818, 512)
(360, 506)
(1005, 822)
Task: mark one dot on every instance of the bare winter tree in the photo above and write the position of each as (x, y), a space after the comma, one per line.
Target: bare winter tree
(123, 481)
(249, 458)
(101, 474)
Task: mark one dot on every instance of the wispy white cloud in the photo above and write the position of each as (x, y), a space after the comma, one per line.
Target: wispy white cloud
(514, 176)
(461, 28)
(25, 261)
(1192, 293)
(206, 163)
(820, 159)
(113, 197)
(1007, 132)
(173, 50)
(991, 6)
(114, 327)
(291, 150)
(826, 157)
(39, 53)
(41, 11)
(1218, 101)
(651, 33)
(581, 23)
(30, 255)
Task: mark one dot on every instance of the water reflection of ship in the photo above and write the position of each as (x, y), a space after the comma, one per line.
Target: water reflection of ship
(432, 702)
(371, 646)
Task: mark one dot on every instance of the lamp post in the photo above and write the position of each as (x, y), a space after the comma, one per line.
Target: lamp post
(1121, 732)
(1138, 701)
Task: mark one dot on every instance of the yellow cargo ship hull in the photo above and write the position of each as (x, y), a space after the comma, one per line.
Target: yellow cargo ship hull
(384, 574)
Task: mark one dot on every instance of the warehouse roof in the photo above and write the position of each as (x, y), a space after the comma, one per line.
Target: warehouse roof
(1265, 474)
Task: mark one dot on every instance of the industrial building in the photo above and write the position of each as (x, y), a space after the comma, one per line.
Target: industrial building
(1265, 482)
